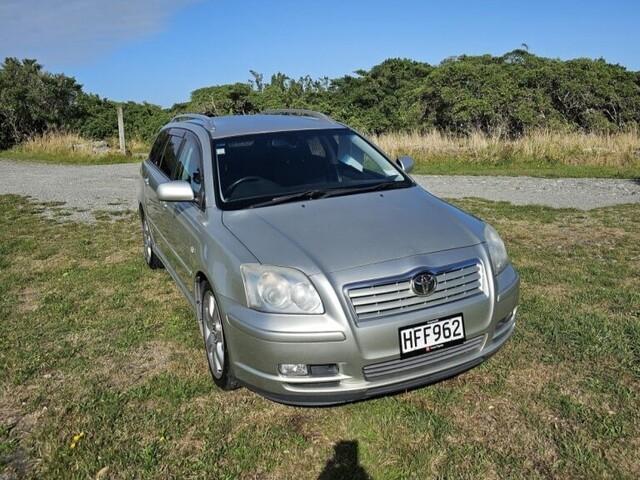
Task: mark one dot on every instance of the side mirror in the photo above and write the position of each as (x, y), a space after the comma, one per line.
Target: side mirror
(405, 163)
(176, 191)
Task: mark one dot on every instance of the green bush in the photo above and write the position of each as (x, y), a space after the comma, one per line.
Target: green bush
(505, 95)
(32, 101)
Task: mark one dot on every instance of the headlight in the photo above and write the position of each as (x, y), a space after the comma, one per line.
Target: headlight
(279, 290)
(497, 250)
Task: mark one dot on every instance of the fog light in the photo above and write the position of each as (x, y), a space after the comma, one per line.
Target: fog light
(293, 369)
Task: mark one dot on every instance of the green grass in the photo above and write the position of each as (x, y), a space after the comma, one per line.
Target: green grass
(94, 342)
(443, 165)
(66, 159)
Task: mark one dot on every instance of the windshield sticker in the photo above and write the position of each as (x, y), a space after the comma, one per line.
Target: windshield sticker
(220, 151)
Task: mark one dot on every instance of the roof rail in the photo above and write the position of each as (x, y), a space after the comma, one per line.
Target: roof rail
(197, 117)
(298, 112)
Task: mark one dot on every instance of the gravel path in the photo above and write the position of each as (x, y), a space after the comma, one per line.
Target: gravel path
(580, 193)
(85, 189)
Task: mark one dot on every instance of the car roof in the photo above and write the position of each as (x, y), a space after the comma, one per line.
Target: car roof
(238, 125)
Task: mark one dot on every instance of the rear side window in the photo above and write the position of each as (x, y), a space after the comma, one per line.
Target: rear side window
(190, 163)
(155, 156)
(170, 157)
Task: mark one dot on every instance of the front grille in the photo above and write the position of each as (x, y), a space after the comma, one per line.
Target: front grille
(396, 367)
(388, 297)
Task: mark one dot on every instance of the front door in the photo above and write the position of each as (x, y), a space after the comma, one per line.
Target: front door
(188, 218)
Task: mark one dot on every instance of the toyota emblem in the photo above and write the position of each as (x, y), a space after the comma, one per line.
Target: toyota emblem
(424, 283)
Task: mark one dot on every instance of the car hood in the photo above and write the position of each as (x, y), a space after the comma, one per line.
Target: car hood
(344, 232)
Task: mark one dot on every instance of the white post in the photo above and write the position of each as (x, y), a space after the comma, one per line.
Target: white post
(123, 148)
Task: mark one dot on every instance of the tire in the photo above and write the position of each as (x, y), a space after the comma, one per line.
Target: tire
(150, 258)
(214, 342)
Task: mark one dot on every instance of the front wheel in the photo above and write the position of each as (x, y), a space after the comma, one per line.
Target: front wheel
(214, 342)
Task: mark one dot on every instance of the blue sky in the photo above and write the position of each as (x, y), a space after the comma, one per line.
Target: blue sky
(161, 50)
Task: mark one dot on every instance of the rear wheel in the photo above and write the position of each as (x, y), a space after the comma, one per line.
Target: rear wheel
(147, 246)
(214, 341)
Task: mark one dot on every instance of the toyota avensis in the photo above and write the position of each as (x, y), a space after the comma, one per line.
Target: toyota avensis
(318, 270)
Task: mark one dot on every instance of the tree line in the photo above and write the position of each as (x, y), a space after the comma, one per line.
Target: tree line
(505, 95)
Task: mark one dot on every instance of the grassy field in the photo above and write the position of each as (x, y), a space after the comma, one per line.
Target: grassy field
(539, 153)
(71, 149)
(102, 371)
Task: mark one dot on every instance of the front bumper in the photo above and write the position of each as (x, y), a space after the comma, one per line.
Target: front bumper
(323, 399)
(258, 343)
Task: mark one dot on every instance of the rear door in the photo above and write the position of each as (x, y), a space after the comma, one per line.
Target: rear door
(152, 177)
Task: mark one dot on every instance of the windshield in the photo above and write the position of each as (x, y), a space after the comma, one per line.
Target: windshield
(270, 168)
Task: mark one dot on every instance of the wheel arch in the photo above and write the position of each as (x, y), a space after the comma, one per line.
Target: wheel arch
(199, 281)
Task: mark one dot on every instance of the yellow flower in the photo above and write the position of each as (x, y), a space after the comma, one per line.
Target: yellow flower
(76, 438)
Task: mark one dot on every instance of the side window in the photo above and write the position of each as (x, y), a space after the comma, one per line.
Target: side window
(349, 154)
(170, 157)
(190, 164)
(155, 156)
(354, 152)
(370, 165)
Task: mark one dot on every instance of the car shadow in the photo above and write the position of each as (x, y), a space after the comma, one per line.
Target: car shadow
(344, 465)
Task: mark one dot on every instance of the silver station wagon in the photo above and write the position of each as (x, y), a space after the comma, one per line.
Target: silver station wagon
(318, 270)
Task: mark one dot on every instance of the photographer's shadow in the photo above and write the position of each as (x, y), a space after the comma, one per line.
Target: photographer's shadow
(344, 464)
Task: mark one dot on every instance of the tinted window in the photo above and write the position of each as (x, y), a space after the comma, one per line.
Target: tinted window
(253, 168)
(170, 157)
(190, 163)
(158, 147)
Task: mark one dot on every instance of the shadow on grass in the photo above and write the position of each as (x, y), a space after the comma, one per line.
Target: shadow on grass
(344, 464)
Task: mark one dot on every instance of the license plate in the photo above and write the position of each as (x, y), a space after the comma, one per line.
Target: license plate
(432, 335)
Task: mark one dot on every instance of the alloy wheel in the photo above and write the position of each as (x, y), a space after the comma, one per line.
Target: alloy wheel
(146, 238)
(213, 336)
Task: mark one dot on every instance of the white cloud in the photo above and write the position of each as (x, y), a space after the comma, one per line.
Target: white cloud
(73, 31)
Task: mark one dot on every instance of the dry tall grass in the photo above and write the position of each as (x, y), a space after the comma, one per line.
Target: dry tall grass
(71, 148)
(135, 146)
(616, 150)
(56, 143)
(72, 144)
(450, 153)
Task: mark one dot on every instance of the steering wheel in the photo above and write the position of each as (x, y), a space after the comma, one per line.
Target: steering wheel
(234, 185)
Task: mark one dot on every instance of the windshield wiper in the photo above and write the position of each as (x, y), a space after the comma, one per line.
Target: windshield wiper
(363, 189)
(292, 197)
(330, 192)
